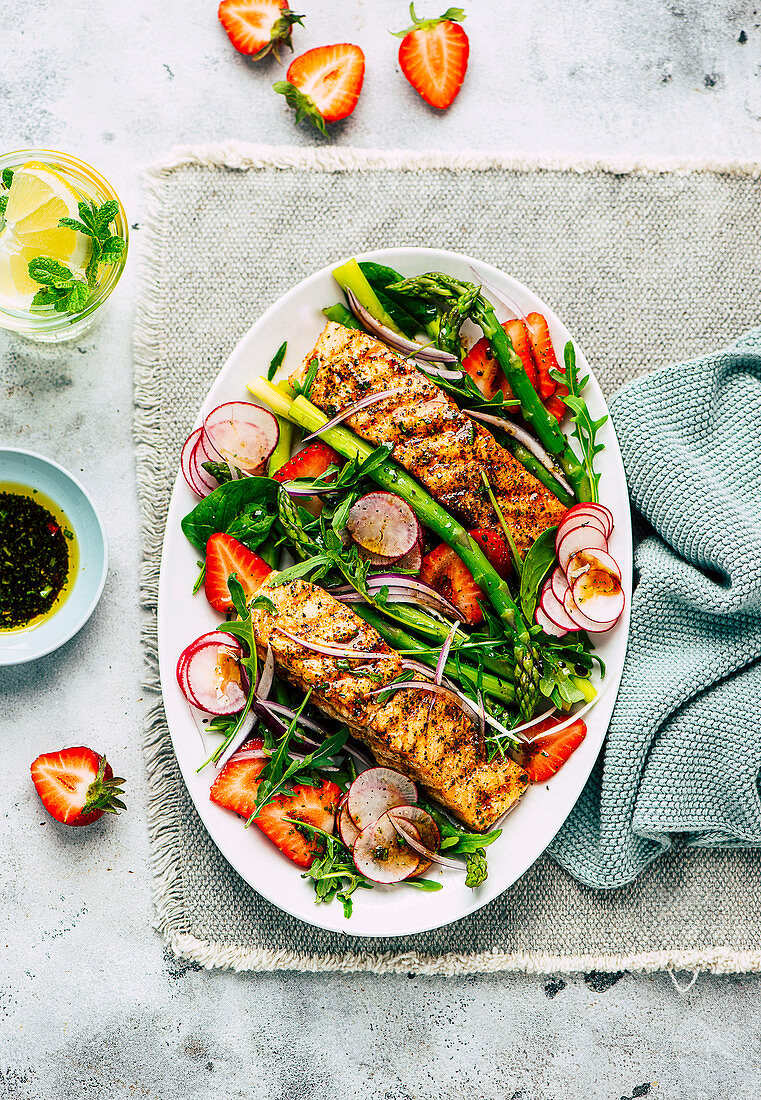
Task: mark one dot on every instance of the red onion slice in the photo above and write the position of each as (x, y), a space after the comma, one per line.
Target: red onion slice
(500, 295)
(238, 741)
(335, 651)
(520, 435)
(243, 434)
(364, 403)
(382, 523)
(395, 339)
(405, 830)
(375, 791)
(445, 653)
(383, 855)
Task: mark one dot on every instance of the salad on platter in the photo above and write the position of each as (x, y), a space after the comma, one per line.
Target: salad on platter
(405, 545)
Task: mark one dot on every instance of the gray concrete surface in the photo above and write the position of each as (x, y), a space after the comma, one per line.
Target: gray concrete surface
(90, 1004)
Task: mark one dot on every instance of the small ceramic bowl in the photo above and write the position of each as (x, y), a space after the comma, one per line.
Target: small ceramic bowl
(32, 471)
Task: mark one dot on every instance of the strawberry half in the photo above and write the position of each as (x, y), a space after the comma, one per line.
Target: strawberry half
(433, 55)
(311, 462)
(518, 333)
(495, 548)
(484, 369)
(544, 354)
(445, 572)
(549, 751)
(226, 556)
(323, 84)
(258, 27)
(77, 785)
(235, 789)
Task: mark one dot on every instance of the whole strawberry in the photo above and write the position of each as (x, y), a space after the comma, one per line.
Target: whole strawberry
(258, 27)
(434, 56)
(77, 785)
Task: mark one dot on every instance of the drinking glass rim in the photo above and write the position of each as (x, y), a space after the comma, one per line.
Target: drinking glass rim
(45, 322)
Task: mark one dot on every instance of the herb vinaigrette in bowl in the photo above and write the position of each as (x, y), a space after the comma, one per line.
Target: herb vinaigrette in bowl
(38, 557)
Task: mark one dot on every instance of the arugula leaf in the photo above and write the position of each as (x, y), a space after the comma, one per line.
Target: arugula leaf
(220, 508)
(276, 361)
(585, 428)
(302, 569)
(538, 561)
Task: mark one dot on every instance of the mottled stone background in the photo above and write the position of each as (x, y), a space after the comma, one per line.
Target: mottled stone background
(90, 1006)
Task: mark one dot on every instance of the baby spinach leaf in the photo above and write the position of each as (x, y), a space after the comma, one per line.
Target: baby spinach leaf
(219, 510)
(380, 277)
(251, 526)
(536, 565)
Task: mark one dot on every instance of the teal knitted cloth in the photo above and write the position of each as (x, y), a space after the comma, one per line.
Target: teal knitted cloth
(683, 750)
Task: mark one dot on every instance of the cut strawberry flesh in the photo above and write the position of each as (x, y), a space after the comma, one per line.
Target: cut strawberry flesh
(226, 556)
(550, 750)
(331, 76)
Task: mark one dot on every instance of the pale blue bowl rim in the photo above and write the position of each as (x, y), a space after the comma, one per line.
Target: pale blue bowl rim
(87, 551)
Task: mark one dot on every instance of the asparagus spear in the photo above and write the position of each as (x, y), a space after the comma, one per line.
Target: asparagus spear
(401, 640)
(396, 480)
(541, 473)
(449, 292)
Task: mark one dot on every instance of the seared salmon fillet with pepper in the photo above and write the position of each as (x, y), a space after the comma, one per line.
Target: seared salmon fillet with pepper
(432, 438)
(427, 736)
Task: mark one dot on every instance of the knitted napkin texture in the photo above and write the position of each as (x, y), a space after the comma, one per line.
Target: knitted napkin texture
(683, 749)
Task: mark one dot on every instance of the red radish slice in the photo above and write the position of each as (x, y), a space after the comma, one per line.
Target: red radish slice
(591, 559)
(592, 508)
(427, 829)
(584, 522)
(375, 791)
(347, 830)
(411, 834)
(577, 540)
(554, 609)
(581, 620)
(547, 625)
(596, 586)
(203, 453)
(384, 524)
(413, 559)
(243, 434)
(558, 584)
(187, 471)
(382, 855)
(213, 678)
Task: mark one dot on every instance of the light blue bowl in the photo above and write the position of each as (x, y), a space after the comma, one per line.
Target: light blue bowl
(24, 468)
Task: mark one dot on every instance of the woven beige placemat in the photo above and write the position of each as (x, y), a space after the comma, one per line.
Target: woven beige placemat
(646, 263)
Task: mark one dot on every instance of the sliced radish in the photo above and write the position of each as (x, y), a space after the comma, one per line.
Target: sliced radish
(558, 584)
(554, 609)
(589, 560)
(582, 621)
(202, 453)
(347, 830)
(593, 509)
(547, 624)
(413, 559)
(382, 855)
(210, 676)
(187, 471)
(584, 521)
(428, 831)
(241, 433)
(375, 791)
(382, 523)
(411, 834)
(577, 540)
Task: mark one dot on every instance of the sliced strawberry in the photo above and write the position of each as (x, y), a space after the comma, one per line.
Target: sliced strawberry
(445, 572)
(323, 84)
(311, 462)
(484, 369)
(549, 751)
(313, 805)
(226, 556)
(433, 55)
(258, 27)
(544, 353)
(77, 785)
(555, 406)
(518, 333)
(235, 789)
(494, 546)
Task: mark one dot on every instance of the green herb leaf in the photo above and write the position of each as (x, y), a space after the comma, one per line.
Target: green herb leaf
(7, 177)
(220, 508)
(3, 204)
(277, 360)
(306, 386)
(585, 428)
(45, 270)
(538, 561)
(111, 250)
(104, 216)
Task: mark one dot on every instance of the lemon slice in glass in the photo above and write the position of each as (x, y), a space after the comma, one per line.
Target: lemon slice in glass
(38, 198)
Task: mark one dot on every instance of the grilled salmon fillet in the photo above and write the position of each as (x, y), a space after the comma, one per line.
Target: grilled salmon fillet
(426, 736)
(432, 438)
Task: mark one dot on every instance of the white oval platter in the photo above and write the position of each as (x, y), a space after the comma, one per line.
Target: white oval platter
(399, 911)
